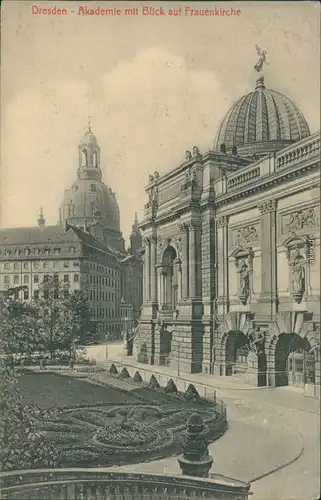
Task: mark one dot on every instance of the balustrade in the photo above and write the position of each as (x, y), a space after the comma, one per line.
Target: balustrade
(95, 484)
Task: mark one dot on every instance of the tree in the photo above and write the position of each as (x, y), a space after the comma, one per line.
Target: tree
(22, 446)
(63, 318)
(18, 326)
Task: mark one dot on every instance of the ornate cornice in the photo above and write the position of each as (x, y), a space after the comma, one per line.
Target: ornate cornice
(267, 206)
(264, 184)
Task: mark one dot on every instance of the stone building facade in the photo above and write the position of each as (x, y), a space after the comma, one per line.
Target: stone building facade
(85, 250)
(232, 251)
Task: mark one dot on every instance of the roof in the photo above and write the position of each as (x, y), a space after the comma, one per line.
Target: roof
(50, 235)
(36, 235)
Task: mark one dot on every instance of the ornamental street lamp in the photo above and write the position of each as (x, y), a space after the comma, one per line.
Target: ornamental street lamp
(106, 339)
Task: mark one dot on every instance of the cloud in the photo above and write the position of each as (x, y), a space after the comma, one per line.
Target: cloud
(146, 112)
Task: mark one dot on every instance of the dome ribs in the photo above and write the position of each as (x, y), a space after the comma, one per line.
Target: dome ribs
(261, 122)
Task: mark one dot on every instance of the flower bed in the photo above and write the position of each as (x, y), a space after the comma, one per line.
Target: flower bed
(127, 434)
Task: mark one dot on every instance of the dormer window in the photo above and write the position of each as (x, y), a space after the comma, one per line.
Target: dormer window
(17, 251)
(46, 251)
(27, 251)
(93, 188)
(7, 252)
(56, 251)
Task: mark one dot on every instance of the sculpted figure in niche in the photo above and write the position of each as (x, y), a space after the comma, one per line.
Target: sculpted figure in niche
(298, 273)
(245, 278)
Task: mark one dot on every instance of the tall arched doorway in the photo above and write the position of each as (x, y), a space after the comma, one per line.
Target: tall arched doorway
(294, 361)
(236, 352)
(169, 279)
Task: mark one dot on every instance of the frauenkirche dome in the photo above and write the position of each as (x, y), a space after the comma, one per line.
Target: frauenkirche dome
(89, 201)
(261, 122)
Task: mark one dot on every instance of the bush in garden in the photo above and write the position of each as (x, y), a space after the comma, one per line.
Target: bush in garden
(171, 387)
(138, 378)
(124, 373)
(22, 446)
(191, 394)
(153, 383)
(113, 370)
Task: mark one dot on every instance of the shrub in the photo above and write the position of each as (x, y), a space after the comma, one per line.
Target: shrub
(153, 383)
(191, 393)
(113, 370)
(124, 373)
(171, 387)
(138, 378)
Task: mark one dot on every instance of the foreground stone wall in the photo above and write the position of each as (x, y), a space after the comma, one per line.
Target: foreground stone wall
(92, 484)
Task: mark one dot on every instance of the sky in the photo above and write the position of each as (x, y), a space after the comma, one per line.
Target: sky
(153, 86)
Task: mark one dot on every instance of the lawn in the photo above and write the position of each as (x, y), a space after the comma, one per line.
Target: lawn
(50, 390)
(100, 426)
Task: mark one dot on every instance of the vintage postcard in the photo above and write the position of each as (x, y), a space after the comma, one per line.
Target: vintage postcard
(160, 250)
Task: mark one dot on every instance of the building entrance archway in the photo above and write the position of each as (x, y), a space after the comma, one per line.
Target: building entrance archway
(294, 361)
(236, 352)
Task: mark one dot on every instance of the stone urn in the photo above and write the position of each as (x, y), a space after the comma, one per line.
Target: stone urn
(195, 459)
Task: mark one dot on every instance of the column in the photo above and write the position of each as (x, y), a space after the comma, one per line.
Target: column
(269, 257)
(153, 270)
(192, 260)
(185, 271)
(147, 270)
(222, 260)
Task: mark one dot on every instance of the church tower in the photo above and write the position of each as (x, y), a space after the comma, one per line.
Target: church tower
(90, 204)
(135, 237)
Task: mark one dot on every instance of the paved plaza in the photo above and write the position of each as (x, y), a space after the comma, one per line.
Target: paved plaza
(272, 439)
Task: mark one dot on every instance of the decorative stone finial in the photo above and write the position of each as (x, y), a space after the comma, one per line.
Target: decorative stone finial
(188, 155)
(195, 459)
(41, 220)
(89, 124)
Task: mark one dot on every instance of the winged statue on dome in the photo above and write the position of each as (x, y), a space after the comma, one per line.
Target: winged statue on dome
(262, 59)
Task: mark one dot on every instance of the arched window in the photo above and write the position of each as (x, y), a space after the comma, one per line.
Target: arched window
(84, 158)
(95, 158)
(93, 188)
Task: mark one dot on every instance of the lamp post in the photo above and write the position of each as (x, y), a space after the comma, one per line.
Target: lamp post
(106, 353)
(178, 356)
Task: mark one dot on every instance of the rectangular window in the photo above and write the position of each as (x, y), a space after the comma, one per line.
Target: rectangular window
(36, 278)
(66, 264)
(76, 278)
(25, 265)
(26, 294)
(16, 280)
(7, 265)
(56, 264)
(6, 280)
(46, 279)
(66, 294)
(76, 264)
(16, 265)
(36, 294)
(45, 264)
(26, 278)
(66, 278)
(36, 265)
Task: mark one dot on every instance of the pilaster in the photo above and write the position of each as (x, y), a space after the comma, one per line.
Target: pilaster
(222, 259)
(268, 297)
